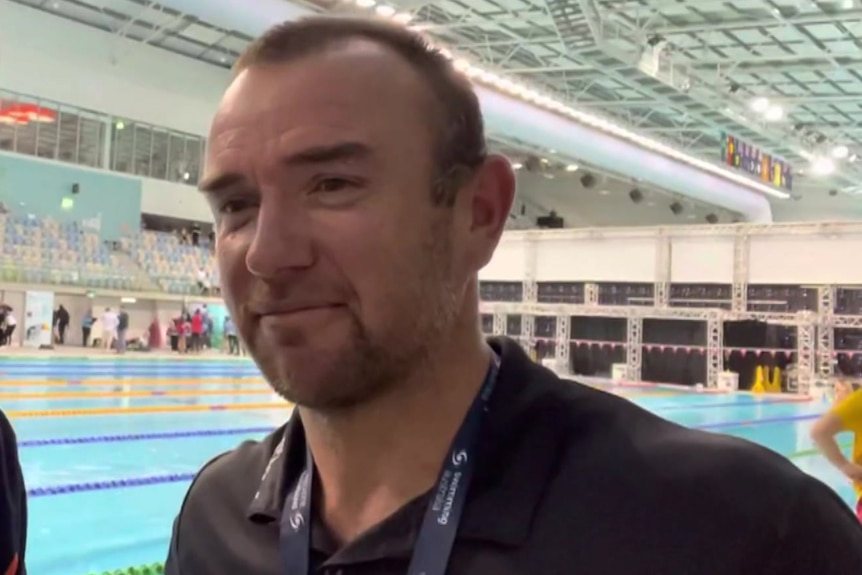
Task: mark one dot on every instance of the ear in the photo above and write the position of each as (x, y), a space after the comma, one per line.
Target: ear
(492, 197)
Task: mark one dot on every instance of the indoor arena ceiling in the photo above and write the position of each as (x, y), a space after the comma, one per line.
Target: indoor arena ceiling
(785, 75)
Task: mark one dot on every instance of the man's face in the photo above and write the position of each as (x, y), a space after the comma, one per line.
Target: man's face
(340, 273)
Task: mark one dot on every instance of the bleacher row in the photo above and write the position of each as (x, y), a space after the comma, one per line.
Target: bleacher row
(45, 251)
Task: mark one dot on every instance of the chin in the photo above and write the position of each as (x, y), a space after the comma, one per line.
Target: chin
(308, 377)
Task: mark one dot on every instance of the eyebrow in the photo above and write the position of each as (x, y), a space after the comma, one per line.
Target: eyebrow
(341, 152)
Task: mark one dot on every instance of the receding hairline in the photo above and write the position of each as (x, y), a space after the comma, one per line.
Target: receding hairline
(314, 34)
(454, 113)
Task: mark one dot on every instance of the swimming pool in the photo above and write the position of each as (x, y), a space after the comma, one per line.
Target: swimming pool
(109, 445)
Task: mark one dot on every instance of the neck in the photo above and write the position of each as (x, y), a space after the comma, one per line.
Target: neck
(373, 459)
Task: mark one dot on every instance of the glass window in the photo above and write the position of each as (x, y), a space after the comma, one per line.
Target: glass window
(69, 129)
(143, 149)
(68, 134)
(159, 168)
(122, 146)
(92, 136)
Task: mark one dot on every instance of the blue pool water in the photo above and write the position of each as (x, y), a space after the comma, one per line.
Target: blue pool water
(107, 525)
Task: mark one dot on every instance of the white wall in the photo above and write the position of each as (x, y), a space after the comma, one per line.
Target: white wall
(697, 255)
(57, 59)
(163, 198)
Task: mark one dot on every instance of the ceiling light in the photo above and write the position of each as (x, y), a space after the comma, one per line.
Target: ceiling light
(517, 166)
(852, 158)
(840, 152)
(760, 105)
(822, 167)
(385, 11)
(604, 192)
(773, 113)
(572, 168)
(521, 91)
(403, 18)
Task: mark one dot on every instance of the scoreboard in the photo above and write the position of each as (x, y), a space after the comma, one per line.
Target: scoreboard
(748, 158)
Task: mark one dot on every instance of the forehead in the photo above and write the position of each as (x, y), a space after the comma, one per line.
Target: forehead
(356, 91)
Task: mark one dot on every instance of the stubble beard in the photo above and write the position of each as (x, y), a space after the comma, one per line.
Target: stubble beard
(373, 364)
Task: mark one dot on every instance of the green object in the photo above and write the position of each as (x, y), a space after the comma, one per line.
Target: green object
(152, 569)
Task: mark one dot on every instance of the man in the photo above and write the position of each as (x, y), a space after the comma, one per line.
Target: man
(110, 323)
(355, 203)
(13, 504)
(845, 416)
(122, 329)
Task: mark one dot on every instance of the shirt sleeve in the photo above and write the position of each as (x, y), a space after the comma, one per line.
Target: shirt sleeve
(821, 536)
(849, 411)
(13, 504)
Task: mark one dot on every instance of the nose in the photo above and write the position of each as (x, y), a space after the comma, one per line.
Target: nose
(282, 240)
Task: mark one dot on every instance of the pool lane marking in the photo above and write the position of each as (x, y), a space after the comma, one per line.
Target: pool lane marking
(678, 406)
(755, 422)
(144, 409)
(105, 382)
(135, 393)
(83, 440)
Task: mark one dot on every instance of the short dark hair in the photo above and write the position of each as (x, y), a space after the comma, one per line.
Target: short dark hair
(460, 146)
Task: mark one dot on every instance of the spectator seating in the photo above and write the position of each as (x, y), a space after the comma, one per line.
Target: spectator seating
(45, 251)
(173, 265)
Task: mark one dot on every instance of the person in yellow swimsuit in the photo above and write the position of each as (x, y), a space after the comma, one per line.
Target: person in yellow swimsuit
(845, 416)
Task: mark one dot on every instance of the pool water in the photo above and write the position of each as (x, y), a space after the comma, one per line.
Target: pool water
(109, 446)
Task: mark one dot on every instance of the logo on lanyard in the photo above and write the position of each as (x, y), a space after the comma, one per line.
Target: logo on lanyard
(459, 458)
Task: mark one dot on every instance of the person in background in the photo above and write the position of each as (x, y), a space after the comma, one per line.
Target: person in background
(8, 327)
(196, 234)
(230, 336)
(845, 416)
(62, 323)
(13, 504)
(87, 327)
(122, 329)
(4, 311)
(203, 281)
(154, 334)
(197, 323)
(109, 328)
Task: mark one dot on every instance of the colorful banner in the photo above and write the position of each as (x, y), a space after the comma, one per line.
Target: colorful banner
(217, 313)
(38, 319)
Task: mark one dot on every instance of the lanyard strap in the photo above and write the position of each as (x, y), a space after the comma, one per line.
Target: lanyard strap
(442, 518)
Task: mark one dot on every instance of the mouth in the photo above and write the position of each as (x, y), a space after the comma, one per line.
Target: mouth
(294, 310)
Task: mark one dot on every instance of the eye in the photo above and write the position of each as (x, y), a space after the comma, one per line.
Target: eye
(234, 206)
(327, 185)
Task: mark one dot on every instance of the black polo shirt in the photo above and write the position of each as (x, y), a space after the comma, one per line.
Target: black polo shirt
(568, 480)
(13, 504)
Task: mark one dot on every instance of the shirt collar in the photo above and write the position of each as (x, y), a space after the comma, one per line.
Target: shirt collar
(516, 456)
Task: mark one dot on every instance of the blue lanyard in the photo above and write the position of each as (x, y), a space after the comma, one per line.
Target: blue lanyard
(442, 518)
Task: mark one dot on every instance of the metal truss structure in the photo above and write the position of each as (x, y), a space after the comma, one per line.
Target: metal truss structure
(682, 70)
(815, 349)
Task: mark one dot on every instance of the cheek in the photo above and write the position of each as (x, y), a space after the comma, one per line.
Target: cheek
(235, 278)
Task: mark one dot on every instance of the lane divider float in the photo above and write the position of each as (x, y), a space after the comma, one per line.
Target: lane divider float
(110, 484)
(143, 409)
(135, 393)
(142, 436)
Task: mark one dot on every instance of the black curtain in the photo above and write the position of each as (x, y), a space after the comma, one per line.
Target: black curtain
(749, 339)
(672, 351)
(599, 343)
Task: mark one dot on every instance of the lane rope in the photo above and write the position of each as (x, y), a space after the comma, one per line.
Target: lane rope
(135, 393)
(142, 436)
(126, 483)
(13, 414)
